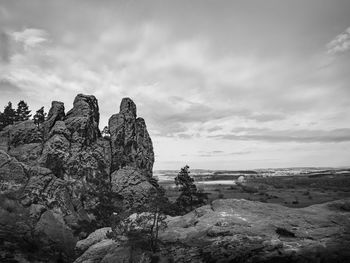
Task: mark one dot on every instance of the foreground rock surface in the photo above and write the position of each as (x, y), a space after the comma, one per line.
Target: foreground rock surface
(246, 231)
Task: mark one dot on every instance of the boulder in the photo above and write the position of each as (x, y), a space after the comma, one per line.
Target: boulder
(97, 252)
(54, 236)
(131, 144)
(93, 238)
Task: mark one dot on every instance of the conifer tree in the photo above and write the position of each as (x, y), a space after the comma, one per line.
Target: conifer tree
(2, 118)
(9, 115)
(190, 196)
(39, 116)
(22, 112)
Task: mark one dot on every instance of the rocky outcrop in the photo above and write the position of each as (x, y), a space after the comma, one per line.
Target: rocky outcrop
(55, 178)
(131, 144)
(234, 230)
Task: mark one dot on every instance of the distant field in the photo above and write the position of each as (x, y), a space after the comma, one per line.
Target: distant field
(293, 188)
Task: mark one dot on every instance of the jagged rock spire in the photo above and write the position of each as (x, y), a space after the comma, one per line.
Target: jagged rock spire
(131, 144)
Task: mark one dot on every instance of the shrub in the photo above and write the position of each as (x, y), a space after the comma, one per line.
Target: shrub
(249, 189)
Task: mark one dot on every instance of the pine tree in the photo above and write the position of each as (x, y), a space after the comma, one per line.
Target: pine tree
(190, 196)
(39, 116)
(9, 115)
(22, 112)
(2, 118)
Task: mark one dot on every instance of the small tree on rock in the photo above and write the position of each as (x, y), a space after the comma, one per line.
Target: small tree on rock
(39, 116)
(22, 112)
(190, 196)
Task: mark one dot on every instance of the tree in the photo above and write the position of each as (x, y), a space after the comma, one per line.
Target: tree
(8, 116)
(39, 116)
(2, 119)
(190, 196)
(22, 112)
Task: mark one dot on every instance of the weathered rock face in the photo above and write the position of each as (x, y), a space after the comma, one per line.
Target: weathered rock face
(37, 213)
(82, 121)
(234, 230)
(12, 176)
(56, 113)
(132, 185)
(131, 144)
(54, 178)
(23, 141)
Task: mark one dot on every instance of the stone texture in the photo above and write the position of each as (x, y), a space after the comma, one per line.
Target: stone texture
(232, 230)
(93, 238)
(131, 144)
(23, 141)
(132, 185)
(56, 113)
(97, 252)
(82, 121)
(12, 174)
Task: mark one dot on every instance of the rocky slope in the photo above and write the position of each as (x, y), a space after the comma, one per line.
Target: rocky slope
(234, 230)
(52, 177)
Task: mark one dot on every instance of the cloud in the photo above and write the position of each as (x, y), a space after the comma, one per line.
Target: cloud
(190, 77)
(4, 47)
(300, 136)
(340, 44)
(219, 153)
(7, 86)
(30, 37)
(214, 128)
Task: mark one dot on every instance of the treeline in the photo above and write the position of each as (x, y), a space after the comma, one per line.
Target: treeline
(22, 113)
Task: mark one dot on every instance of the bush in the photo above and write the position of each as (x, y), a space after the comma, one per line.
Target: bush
(249, 189)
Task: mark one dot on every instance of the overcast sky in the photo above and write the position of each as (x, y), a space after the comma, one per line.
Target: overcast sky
(221, 84)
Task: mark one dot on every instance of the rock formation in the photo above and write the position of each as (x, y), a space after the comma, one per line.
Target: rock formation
(234, 230)
(52, 177)
(131, 144)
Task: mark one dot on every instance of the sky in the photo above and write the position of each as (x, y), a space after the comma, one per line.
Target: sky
(221, 84)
